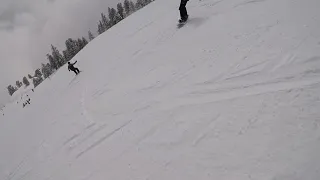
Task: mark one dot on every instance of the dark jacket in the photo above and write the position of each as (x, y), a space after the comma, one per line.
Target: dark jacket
(71, 67)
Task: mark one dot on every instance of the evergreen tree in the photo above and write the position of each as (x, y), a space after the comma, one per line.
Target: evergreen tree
(139, 4)
(11, 89)
(25, 81)
(37, 81)
(120, 10)
(46, 70)
(112, 16)
(66, 55)
(132, 7)
(37, 73)
(80, 44)
(72, 48)
(90, 36)
(57, 57)
(30, 77)
(126, 5)
(84, 41)
(49, 69)
(100, 28)
(52, 62)
(105, 22)
(118, 18)
(18, 84)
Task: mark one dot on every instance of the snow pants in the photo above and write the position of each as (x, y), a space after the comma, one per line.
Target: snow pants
(183, 9)
(75, 70)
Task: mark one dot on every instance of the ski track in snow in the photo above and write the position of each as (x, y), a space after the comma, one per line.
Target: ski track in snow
(204, 133)
(99, 141)
(75, 136)
(248, 2)
(257, 88)
(86, 135)
(21, 163)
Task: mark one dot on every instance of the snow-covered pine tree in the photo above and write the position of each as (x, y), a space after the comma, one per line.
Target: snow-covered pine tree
(132, 7)
(18, 83)
(52, 62)
(112, 16)
(120, 10)
(105, 22)
(139, 4)
(80, 44)
(100, 28)
(46, 70)
(37, 81)
(66, 55)
(37, 73)
(72, 47)
(84, 41)
(126, 5)
(90, 36)
(25, 81)
(57, 57)
(11, 89)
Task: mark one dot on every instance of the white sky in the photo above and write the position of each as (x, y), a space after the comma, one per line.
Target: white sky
(28, 27)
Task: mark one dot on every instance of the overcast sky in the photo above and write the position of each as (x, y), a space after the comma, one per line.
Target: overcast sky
(28, 27)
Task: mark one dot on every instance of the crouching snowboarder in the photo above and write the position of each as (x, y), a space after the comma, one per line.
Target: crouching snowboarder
(72, 68)
(183, 11)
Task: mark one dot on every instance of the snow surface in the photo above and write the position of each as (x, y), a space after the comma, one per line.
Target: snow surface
(233, 95)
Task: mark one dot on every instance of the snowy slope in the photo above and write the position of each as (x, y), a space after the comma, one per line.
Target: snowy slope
(233, 95)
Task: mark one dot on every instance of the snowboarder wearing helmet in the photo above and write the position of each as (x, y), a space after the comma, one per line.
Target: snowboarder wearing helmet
(72, 68)
(183, 11)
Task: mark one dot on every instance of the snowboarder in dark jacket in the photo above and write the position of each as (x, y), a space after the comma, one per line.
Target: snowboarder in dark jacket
(183, 11)
(72, 68)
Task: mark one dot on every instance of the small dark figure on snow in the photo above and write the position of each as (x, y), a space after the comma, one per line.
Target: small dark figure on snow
(72, 68)
(183, 11)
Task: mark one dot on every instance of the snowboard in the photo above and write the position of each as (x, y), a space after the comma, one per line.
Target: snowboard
(181, 23)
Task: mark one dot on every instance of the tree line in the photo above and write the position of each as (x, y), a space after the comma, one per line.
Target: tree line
(56, 59)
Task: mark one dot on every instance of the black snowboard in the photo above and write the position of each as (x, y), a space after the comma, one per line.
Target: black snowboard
(182, 23)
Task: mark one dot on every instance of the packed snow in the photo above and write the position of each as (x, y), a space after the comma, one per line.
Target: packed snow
(232, 95)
